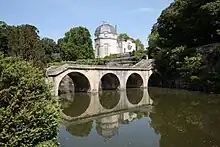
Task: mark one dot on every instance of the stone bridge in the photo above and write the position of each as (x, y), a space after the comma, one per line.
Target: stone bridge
(95, 78)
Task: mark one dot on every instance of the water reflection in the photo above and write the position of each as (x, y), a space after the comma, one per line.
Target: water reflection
(177, 119)
(135, 95)
(109, 99)
(81, 130)
(81, 105)
(107, 126)
(186, 118)
(75, 106)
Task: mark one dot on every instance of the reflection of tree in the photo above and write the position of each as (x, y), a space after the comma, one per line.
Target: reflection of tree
(109, 99)
(80, 130)
(140, 115)
(186, 119)
(135, 95)
(76, 107)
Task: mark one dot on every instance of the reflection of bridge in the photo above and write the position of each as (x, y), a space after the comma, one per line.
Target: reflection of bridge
(96, 106)
(108, 114)
(107, 125)
(93, 78)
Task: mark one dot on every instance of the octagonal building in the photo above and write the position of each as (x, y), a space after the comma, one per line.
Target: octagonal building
(107, 42)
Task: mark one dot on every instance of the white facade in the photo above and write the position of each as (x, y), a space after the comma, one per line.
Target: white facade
(107, 42)
(127, 46)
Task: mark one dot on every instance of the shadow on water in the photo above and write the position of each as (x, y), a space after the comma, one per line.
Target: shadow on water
(109, 99)
(134, 95)
(76, 105)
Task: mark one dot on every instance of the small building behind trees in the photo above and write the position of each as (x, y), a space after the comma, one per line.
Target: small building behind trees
(107, 41)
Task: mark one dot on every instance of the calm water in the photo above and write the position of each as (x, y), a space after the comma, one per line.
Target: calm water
(127, 119)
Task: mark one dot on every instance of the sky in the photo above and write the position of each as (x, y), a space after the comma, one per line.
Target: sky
(55, 17)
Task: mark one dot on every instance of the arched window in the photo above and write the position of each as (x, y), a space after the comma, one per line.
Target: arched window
(106, 48)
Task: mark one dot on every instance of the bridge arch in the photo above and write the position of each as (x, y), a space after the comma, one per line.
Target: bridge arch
(155, 80)
(134, 80)
(109, 81)
(81, 82)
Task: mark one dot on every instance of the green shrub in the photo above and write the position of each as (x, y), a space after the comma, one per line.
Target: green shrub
(29, 114)
(112, 56)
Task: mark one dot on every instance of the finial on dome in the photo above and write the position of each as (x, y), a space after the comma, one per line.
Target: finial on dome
(104, 22)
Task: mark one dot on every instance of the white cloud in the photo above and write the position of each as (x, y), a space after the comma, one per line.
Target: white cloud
(140, 10)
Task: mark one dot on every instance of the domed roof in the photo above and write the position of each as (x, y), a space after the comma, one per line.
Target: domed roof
(105, 28)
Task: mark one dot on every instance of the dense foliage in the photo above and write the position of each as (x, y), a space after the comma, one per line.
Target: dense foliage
(52, 50)
(139, 45)
(124, 36)
(77, 44)
(174, 41)
(29, 114)
(24, 41)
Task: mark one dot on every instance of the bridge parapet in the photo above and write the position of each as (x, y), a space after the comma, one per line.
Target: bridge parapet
(52, 71)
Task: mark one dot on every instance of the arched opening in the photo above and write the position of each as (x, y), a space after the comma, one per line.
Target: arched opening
(155, 80)
(109, 99)
(73, 82)
(73, 101)
(134, 81)
(109, 82)
(135, 95)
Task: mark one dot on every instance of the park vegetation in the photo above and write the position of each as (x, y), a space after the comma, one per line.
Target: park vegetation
(23, 41)
(29, 114)
(185, 43)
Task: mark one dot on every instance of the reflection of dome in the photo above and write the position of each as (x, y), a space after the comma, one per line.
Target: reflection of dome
(108, 126)
(105, 28)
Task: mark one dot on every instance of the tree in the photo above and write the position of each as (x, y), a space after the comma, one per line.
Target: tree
(3, 37)
(76, 44)
(124, 36)
(180, 28)
(191, 23)
(28, 112)
(139, 45)
(51, 49)
(22, 41)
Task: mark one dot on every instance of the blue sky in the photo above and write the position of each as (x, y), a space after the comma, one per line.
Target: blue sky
(55, 17)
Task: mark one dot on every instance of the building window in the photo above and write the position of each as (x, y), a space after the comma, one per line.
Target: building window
(98, 52)
(106, 48)
(98, 49)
